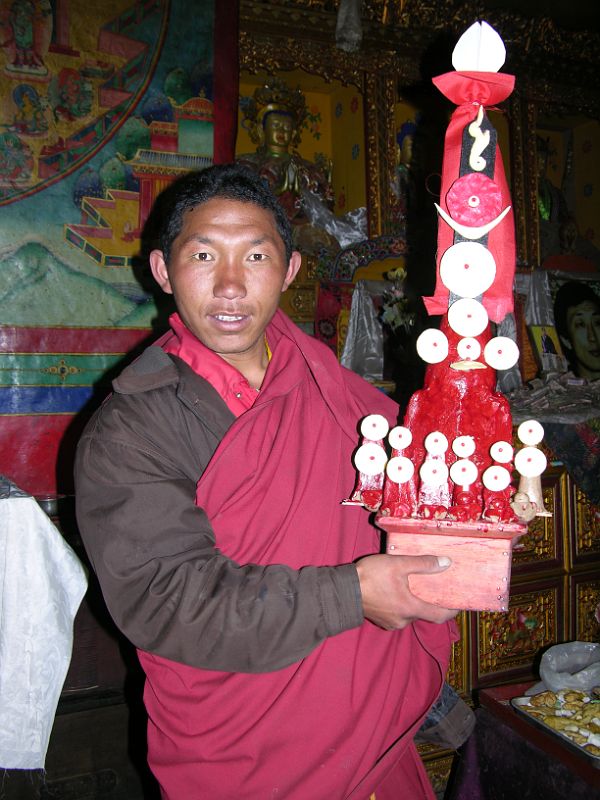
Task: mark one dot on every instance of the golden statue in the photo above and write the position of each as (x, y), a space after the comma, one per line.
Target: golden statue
(273, 117)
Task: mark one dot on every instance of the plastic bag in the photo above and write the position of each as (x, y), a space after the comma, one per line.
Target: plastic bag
(363, 348)
(574, 665)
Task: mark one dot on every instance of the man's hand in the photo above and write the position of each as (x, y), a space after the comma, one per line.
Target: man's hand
(387, 599)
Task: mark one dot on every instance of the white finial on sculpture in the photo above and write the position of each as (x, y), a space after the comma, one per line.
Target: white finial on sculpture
(530, 463)
(479, 49)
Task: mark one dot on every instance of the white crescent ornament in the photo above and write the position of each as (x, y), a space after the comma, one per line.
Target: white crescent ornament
(467, 317)
(501, 352)
(432, 346)
(467, 269)
(399, 437)
(472, 231)
(400, 469)
(530, 432)
(370, 459)
(496, 479)
(433, 473)
(530, 462)
(374, 427)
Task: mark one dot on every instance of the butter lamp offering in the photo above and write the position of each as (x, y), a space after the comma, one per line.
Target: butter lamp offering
(450, 491)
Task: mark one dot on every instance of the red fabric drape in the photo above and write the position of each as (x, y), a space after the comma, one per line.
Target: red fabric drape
(226, 74)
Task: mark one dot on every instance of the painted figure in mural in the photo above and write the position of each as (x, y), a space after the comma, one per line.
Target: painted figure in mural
(577, 321)
(208, 494)
(16, 160)
(25, 35)
(274, 117)
(30, 118)
(71, 95)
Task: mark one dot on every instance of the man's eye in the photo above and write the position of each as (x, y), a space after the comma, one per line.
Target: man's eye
(258, 257)
(202, 256)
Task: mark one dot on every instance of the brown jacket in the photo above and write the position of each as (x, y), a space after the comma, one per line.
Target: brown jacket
(154, 551)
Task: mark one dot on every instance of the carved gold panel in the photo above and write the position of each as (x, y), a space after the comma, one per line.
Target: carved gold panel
(299, 302)
(584, 538)
(458, 668)
(505, 645)
(438, 769)
(585, 607)
(542, 547)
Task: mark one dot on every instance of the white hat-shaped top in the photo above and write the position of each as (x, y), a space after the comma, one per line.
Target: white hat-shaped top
(479, 49)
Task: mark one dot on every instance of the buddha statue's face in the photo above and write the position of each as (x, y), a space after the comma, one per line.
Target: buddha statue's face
(279, 129)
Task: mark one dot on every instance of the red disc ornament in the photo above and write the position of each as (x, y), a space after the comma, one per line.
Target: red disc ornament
(474, 199)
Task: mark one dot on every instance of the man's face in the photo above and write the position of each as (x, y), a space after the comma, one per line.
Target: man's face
(583, 325)
(226, 271)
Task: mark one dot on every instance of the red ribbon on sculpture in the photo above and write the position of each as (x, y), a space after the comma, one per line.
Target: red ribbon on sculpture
(468, 91)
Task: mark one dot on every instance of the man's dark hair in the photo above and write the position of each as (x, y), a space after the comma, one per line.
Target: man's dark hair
(571, 294)
(225, 181)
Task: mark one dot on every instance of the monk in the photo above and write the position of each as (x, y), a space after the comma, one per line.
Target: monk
(285, 656)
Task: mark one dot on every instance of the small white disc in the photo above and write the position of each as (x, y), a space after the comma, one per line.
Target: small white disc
(530, 462)
(399, 437)
(374, 427)
(370, 459)
(530, 432)
(467, 269)
(501, 353)
(467, 317)
(432, 346)
(400, 469)
(463, 446)
(463, 472)
(469, 348)
(436, 443)
(433, 473)
(502, 452)
(496, 478)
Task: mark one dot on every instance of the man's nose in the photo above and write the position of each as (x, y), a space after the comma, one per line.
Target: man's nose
(229, 280)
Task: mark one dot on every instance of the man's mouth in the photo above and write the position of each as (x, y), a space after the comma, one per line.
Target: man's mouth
(229, 317)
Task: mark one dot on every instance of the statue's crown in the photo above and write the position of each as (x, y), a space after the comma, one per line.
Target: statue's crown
(273, 95)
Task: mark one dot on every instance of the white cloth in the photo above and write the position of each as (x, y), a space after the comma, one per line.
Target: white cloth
(42, 584)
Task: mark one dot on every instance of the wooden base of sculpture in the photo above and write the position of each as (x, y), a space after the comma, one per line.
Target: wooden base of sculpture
(478, 578)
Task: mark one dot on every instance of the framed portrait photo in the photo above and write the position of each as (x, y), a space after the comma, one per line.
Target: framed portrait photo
(547, 348)
(576, 321)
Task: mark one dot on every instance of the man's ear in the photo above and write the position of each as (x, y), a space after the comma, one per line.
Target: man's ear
(159, 271)
(292, 270)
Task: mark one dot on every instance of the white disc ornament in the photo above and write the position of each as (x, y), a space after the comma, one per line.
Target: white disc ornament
(496, 478)
(432, 346)
(463, 472)
(370, 459)
(399, 437)
(400, 469)
(436, 443)
(502, 452)
(501, 353)
(374, 427)
(467, 269)
(530, 432)
(433, 473)
(530, 462)
(468, 349)
(467, 317)
(463, 446)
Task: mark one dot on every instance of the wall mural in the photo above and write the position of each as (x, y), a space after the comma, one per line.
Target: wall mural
(102, 105)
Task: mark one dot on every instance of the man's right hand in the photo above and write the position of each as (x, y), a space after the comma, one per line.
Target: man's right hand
(386, 596)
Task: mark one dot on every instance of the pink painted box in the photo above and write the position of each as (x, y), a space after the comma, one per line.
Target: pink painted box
(478, 578)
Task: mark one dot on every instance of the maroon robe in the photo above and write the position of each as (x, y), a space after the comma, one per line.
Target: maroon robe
(317, 728)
